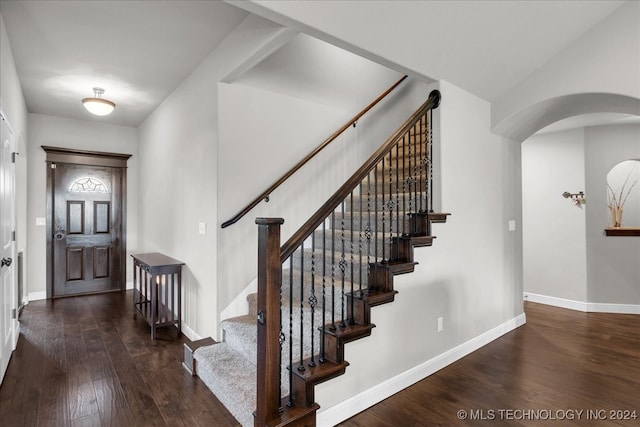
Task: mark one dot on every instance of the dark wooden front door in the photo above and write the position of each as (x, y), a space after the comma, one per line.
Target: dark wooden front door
(86, 228)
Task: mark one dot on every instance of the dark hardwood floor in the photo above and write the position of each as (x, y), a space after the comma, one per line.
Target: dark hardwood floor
(559, 363)
(84, 361)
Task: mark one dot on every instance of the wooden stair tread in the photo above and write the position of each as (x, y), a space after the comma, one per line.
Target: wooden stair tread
(374, 297)
(421, 241)
(398, 267)
(438, 217)
(321, 372)
(294, 415)
(350, 332)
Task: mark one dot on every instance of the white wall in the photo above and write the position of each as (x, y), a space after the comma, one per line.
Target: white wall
(83, 135)
(613, 270)
(567, 255)
(179, 177)
(605, 60)
(554, 233)
(13, 104)
(262, 135)
(471, 276)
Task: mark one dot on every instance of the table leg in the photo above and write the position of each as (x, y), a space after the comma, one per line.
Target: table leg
(179, 308)
(135, 287)
(154, 302)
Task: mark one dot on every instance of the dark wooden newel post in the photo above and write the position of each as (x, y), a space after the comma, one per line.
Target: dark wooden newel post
(269, 281)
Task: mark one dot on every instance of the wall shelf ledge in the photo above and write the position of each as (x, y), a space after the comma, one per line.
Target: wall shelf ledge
(622, 231)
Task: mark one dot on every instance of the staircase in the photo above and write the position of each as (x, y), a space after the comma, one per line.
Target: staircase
(316, 291)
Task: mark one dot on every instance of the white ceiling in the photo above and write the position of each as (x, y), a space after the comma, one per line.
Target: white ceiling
(140, 51)
(311, 69)
(484, 47)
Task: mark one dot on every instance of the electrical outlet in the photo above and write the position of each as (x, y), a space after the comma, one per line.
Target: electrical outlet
(202, 228)
(512, 225)
(41, 221)
(440, 324)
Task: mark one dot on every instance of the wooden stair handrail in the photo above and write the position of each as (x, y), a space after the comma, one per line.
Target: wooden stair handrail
(325, 210)
(265, 194)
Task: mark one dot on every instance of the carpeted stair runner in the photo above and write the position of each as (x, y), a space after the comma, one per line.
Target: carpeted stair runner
(231, 377)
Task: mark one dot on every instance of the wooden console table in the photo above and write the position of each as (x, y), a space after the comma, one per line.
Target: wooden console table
(157, 290)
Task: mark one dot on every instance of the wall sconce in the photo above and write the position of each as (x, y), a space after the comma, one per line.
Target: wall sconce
(578, 199)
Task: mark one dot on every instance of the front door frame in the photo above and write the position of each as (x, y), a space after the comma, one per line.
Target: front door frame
(87, 158)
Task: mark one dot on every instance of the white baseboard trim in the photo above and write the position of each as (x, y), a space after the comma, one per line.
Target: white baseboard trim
(601, 307)
(588, 307)
(190, 333)
(35, 296)
(358, 403)
(129, 285)
(555, 301)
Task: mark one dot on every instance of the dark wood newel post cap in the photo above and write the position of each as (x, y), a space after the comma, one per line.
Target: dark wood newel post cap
(437, 96)
(269, 221)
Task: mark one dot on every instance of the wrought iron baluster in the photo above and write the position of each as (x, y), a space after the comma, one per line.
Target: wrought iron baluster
(425, 164)
(410, 180)
(360, 248)
(375, 222)
(333, 272)
(302, 270)
(324, 289)
(343, 268)
(390, 205)
(375, 213)
(415, 168)
(430, 154)
(290, 403)
(313, 300)
(421, 157)
(397, 201)
(383, 213)
(281, 338)
(368, 229)
(352, 251)
(404, 184)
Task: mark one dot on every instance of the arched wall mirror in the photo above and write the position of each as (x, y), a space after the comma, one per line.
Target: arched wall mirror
(623, 194)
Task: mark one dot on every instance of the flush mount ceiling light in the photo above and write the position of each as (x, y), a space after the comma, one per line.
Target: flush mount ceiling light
(98, 105)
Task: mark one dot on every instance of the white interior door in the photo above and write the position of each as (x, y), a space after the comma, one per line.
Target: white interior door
(7, 281)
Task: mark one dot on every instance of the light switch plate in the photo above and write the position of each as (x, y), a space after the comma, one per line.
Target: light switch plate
(41, 220)
(512, 225)
(202, 228)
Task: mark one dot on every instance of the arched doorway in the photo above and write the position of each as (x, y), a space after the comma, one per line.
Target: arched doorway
(577, 267)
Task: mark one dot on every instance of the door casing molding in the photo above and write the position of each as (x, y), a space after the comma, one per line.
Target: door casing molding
(87, 158)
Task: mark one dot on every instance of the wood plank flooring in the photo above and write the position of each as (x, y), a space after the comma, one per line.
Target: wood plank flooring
(559, 363)
(85, 361)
